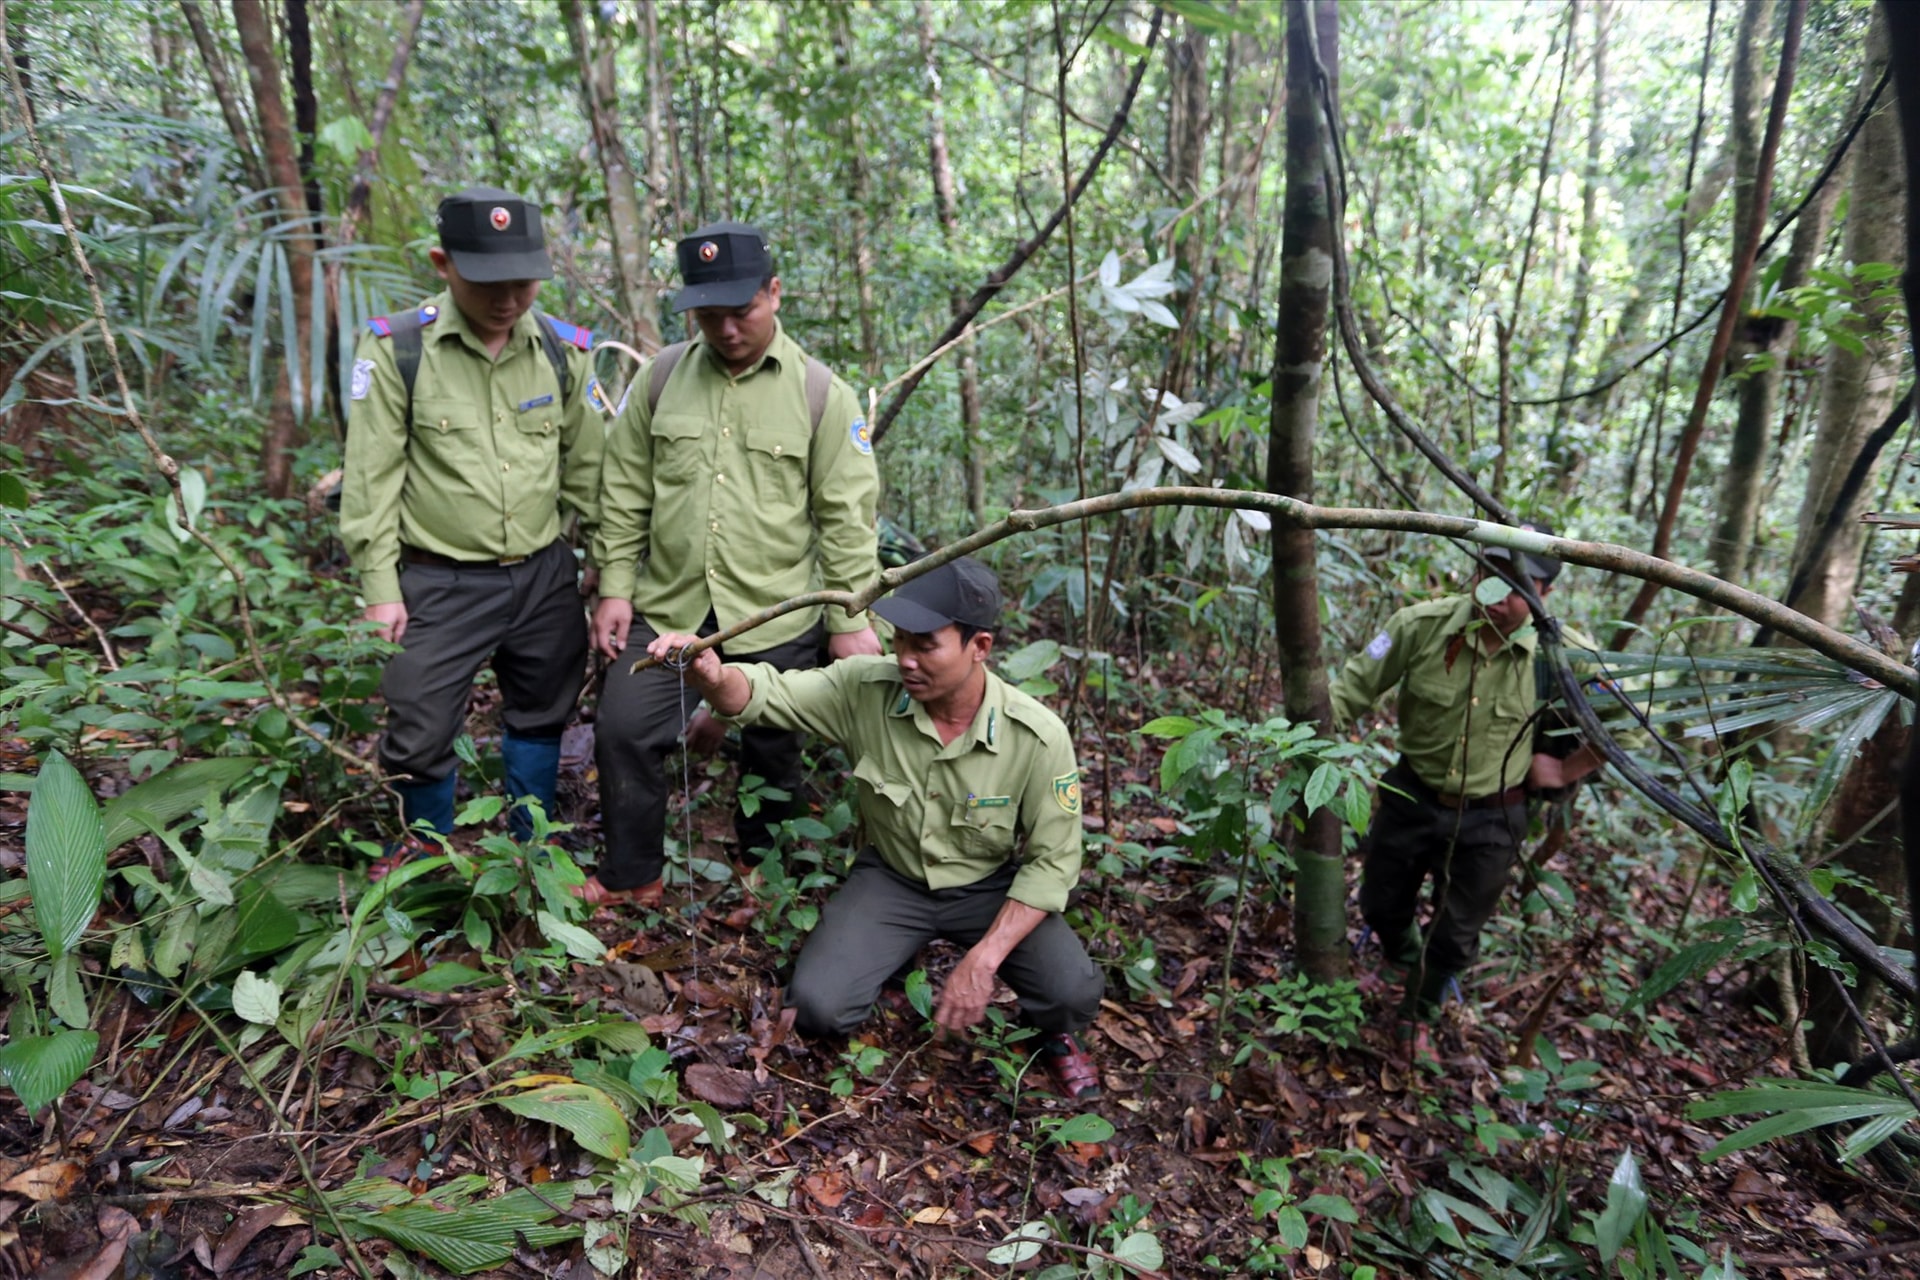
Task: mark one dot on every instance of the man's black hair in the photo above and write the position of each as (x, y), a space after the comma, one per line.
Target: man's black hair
(968, 631)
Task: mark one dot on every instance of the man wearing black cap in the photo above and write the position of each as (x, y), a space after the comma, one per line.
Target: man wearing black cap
(474, 425)
(739, 474)
(970, 797)
(1454, 807)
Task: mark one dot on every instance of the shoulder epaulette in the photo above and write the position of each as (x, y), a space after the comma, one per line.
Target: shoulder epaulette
(571, 334)
(382, 326)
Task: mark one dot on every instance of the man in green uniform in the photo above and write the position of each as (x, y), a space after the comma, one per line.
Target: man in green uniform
(1454, 807)
(739, 474)
(970, 796)
(472, 425)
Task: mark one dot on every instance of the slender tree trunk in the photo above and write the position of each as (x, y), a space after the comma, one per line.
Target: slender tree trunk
(703, 189)
(306, 107)
(972, 449)
(664, 193)
(1565, 457)
(860, 189)
(1729, 315)
(360, 196)
(216, 68)
(277, 143)
(632, 230)
(1857, 387)
(1187, 118)
(1300, 353)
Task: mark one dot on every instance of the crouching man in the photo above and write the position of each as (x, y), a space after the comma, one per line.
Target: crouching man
(970, 799)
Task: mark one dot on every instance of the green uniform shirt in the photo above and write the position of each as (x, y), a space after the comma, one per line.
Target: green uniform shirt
(733, 501)
(942, 814)
(1463, 726)
(481, 471)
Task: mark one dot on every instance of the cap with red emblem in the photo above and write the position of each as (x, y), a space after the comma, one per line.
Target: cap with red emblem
(722, 264)
(493, 235)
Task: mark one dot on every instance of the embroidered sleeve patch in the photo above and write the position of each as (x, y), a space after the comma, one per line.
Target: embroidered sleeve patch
(598, 397)
(1066, 791)
(862, 437)
(1380, 646)
(362, 378)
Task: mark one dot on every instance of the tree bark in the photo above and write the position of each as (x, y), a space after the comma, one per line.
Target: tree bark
(1729, 316)
(277, 143)
(1565, 458)
(1300, 353)
(360, 196)
(860, 189)
(216, 68)
(631, 228)
(997, 281)
(306, 107)
(973, 462)
(1857, 388)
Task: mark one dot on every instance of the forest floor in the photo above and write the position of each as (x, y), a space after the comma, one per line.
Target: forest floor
(899, 1154)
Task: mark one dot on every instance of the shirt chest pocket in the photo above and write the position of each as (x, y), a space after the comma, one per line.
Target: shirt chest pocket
(779, 462)
(445, 421)
(679, 447)
(887, 794)
(984, 830)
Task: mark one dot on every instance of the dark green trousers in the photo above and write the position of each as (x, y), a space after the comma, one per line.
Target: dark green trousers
(1468, 854)
(879, 921)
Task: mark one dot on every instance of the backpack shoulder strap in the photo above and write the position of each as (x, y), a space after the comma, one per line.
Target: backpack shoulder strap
(819, 382)
(408, 343)
(664, 362)
(550, 340)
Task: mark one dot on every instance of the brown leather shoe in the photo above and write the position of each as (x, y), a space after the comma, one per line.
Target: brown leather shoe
(595, 894)
(1073, 1074)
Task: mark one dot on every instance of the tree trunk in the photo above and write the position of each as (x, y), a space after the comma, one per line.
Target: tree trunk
(860, 190)
(216, 67)
(1566, 458)
(664, 192)
(306, 108)
(631, 228)
(360, 197)
(277, 143)
(1857, 388)
(973, 461)
(1300, 353)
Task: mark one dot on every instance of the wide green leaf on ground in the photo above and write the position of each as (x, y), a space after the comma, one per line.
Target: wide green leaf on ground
(66, 854)
(40, 1068)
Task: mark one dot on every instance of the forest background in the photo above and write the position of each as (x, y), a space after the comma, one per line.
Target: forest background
(1627, 271)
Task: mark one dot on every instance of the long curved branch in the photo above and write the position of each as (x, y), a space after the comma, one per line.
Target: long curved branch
(1306, 515)
(1030, 246)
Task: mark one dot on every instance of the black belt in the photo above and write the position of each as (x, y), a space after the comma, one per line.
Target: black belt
(1498, 800)
(416, 555)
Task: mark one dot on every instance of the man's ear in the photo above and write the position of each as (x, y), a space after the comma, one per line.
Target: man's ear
(442, 264)
(773, 292)
(981, 645)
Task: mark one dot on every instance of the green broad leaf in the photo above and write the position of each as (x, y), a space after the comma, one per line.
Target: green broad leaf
(313, 1258)
(1358, 803)
(1491, 591)
(582, 1110)
(580, 944)
(346, 137)
(40, 1068)
(1208, 16)
(170, 794)
(256, 999)
(920, 993)
(682, 1173)
(1339, 1208)
(66, 854)
(13, 491)
(1028, 661)
(1140, 1251)
(1020, 1245)
(1291, 1226)
(1114, 40)
(1745, 895)
(1082, 1128)
(622, 1037)
(193, 494)
(472, 1237)
(1322, 786)
(450, 975)
(65, 996)
(1170, 727)
(1626, 1204)
(176, 944)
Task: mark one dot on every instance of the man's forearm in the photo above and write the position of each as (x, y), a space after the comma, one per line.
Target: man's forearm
(1010, 928)
(728, 694)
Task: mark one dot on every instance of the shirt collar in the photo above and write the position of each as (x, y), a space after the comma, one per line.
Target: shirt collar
(780, 352)
(452, 323)
(989, 727)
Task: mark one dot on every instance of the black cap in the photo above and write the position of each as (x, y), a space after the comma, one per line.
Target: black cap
(722, 265)
(962, 590)
(493, 235)
(1545, 568)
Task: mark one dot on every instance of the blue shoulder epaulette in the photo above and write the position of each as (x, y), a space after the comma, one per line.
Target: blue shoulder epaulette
(572, 335)
(382, 326)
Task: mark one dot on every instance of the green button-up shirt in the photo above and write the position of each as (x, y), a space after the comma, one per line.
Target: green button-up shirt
(727, 501)
(481, 471)
(943, 814)
(1463, 724)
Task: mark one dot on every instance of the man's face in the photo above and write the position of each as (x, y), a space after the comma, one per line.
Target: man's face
(935, 664)
(741, 335)
(491, 309)
(1511, 613)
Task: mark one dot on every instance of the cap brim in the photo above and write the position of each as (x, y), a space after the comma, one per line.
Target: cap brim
(908, 616)
(492, 268)
(717, 293)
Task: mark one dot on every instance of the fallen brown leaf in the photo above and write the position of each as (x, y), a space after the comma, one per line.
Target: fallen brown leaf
(235, 1242)
(52, 1181)
(117, 1227)
(933, 1215)
(722, 1086)
(828, 1187)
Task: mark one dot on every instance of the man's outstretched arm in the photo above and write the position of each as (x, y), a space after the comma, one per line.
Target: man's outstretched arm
(963, 1000)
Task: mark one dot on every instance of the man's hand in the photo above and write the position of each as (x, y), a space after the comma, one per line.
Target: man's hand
(847, 644)
(612, 618)
(705, 670)
(391, 617)
(963, 1001)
